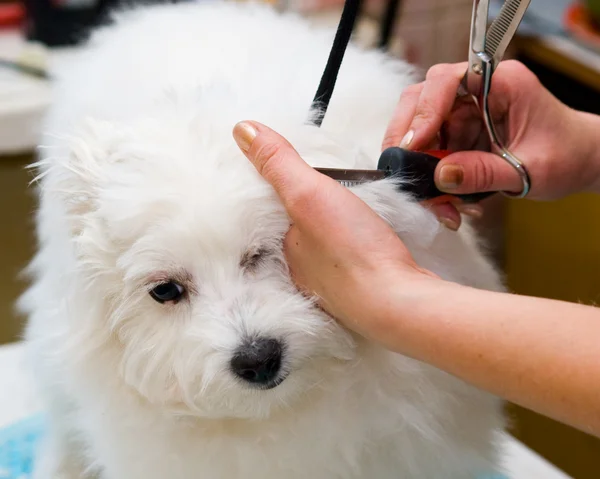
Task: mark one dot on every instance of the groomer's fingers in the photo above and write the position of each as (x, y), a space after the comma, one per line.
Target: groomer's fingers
(403, 115)
(474, 172)
(447, 214)
(279, 163)
(308, 196)
(435, 103)
(274, 158)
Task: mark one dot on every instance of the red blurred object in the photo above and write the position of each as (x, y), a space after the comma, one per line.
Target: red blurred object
(579, 23)
(11, 14)
(438, 153)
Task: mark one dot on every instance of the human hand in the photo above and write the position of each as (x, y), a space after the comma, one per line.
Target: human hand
(337, 248)
(557, 144)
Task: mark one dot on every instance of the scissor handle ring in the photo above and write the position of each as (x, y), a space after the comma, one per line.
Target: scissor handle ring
(519, 167)
(512, 160)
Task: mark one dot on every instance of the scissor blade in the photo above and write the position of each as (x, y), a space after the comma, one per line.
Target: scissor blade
(504, 27)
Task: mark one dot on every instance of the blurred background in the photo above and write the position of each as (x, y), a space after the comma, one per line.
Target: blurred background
(533, 243)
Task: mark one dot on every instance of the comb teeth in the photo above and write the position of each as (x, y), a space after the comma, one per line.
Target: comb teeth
(350, 183)
(500, 26)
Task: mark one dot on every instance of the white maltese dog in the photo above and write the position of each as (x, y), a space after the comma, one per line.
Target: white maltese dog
(167, 338)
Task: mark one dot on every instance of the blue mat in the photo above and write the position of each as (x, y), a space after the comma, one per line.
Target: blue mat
(18, 445)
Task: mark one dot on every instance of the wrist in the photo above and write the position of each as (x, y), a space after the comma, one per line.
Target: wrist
(404, 300)
(587, 144)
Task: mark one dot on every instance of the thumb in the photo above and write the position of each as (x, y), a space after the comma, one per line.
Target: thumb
(476, 172)
(295, 181)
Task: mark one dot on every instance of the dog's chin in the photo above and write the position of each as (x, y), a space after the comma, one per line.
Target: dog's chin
(249, 402)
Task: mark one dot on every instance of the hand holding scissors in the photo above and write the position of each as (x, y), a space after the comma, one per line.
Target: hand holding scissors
(556, 144)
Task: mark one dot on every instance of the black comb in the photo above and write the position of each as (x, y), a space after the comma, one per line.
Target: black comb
(415, 169)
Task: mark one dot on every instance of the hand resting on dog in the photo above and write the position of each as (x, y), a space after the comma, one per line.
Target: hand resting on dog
(340, 251)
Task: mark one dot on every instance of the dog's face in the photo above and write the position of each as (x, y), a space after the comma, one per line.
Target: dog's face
(180, 241)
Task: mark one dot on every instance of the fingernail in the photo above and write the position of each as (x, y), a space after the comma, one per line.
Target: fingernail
(407, 139)
(449, 223)
(244, 134)
(474, 211)
(451, 176)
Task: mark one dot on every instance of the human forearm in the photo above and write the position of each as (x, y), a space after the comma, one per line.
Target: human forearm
(523, 349)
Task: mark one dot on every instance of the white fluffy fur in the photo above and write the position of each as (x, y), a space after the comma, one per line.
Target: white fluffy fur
(140, 180)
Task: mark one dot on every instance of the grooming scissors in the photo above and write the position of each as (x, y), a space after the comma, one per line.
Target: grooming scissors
(486, 49)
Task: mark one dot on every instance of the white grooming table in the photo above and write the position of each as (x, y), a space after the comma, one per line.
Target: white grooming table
(18, 402)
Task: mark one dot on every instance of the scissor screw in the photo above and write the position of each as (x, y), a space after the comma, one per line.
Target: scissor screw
(477, 68)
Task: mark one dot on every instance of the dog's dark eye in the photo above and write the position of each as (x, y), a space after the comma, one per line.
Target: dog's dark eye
(252, 259)
(169, 291)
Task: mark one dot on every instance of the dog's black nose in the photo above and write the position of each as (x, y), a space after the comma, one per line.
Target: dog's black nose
(258, 361)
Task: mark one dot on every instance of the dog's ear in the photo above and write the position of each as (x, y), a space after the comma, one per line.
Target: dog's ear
(74, 169)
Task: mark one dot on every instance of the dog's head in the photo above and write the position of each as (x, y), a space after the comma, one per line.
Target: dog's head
(180, 269)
